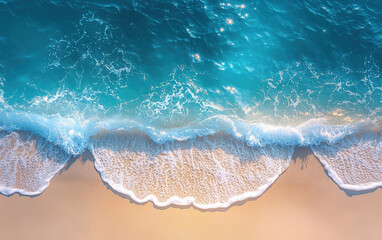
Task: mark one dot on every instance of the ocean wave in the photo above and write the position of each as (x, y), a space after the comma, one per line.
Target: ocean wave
(73, 134)
(211, 164)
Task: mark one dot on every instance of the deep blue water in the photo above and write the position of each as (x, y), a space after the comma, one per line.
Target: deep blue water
(74, 66)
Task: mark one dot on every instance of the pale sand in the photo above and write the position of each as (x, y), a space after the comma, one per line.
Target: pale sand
(304, 203)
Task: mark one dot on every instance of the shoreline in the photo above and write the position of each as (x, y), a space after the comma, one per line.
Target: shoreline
(78, 205)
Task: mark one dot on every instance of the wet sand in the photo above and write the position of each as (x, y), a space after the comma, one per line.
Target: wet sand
(304, 203)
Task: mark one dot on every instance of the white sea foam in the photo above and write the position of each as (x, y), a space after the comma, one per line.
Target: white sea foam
(208, 172)
(28, 163)
(157, 164)
(72, 134)
(68, 133)
(355, 163)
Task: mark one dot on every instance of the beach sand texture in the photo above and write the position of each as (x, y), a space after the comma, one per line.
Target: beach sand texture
(304, 203)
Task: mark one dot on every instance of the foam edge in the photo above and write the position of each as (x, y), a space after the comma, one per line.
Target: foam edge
(8, 191)
(336, 179)
(188, 201)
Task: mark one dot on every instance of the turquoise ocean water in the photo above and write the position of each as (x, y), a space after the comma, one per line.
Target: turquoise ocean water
(132, 76)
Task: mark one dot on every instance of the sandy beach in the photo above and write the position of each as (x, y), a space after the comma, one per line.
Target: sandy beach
(304, 203)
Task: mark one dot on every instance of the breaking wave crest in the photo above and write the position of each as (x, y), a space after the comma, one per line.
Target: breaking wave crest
(225, 162)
